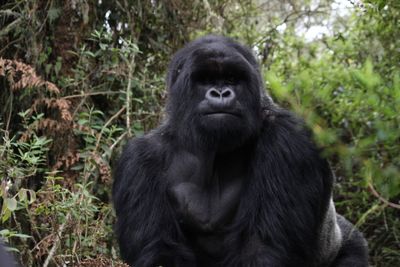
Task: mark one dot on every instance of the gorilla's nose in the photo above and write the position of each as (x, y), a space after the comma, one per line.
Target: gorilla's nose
(220, 98)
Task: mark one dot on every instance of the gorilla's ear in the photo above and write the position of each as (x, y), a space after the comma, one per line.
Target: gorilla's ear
(175, 69)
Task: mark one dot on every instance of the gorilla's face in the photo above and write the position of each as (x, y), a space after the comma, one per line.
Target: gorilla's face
(216, 91)
(219, 82)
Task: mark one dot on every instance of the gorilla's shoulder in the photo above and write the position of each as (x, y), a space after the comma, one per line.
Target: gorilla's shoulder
(285, 129)
(281, 118)
(149, 144)
(154, 145)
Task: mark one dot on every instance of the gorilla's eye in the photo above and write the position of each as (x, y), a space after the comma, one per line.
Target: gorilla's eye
(231, 80)
(209, 79)
(204, 78)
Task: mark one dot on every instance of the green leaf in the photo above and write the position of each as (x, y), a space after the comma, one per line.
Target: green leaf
(6, 215)
(22, 236)
(11, 203)
(103, 46)
(4, 232)
(53, 14)
(27, 196)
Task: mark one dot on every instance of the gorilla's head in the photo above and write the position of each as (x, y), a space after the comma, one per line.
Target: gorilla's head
(215, 93)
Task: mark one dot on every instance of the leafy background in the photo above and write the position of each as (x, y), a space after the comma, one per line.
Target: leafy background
(80, 77)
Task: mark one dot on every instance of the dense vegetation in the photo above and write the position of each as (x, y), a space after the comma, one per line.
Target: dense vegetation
(78, 78)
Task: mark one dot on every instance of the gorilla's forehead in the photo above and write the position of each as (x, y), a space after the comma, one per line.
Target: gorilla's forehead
(217, 56)
(215, 51)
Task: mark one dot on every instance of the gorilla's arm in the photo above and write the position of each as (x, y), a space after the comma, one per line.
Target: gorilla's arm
(289, 193)
(138, 200)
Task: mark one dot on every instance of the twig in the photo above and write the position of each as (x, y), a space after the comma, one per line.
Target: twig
(57, 241)
(10, 27)
(384, 200)
(24, 241)
(9, 12)
(128, 96)
(122, 136)
(11, 110)
(90, 94)
(105, 126)
(9, 44)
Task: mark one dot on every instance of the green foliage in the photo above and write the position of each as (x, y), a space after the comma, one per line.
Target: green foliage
(20, 160)
(355, 106)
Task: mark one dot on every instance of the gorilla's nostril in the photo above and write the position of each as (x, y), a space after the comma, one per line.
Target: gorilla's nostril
(227, 93)
(213, 94)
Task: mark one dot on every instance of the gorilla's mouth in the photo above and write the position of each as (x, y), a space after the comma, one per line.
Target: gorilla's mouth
(222, 114)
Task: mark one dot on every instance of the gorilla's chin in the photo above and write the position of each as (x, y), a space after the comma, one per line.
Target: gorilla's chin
(223, 131)
(221, 123)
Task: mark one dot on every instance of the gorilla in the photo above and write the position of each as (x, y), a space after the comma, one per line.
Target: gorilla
(6, 259)
(229, 178)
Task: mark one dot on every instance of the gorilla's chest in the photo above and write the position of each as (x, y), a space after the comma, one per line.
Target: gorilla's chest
(205, 192)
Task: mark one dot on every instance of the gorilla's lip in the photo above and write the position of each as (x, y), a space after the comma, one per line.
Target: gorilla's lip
(221, 113)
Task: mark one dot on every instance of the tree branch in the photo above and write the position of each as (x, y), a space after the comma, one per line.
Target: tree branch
(382, 199)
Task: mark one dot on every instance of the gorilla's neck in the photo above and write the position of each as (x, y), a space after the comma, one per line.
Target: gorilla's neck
(209, 143)
(213, 145)
(205, 187)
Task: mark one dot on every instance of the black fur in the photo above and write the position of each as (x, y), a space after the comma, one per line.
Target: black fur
(6, 260)
(229, 178)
